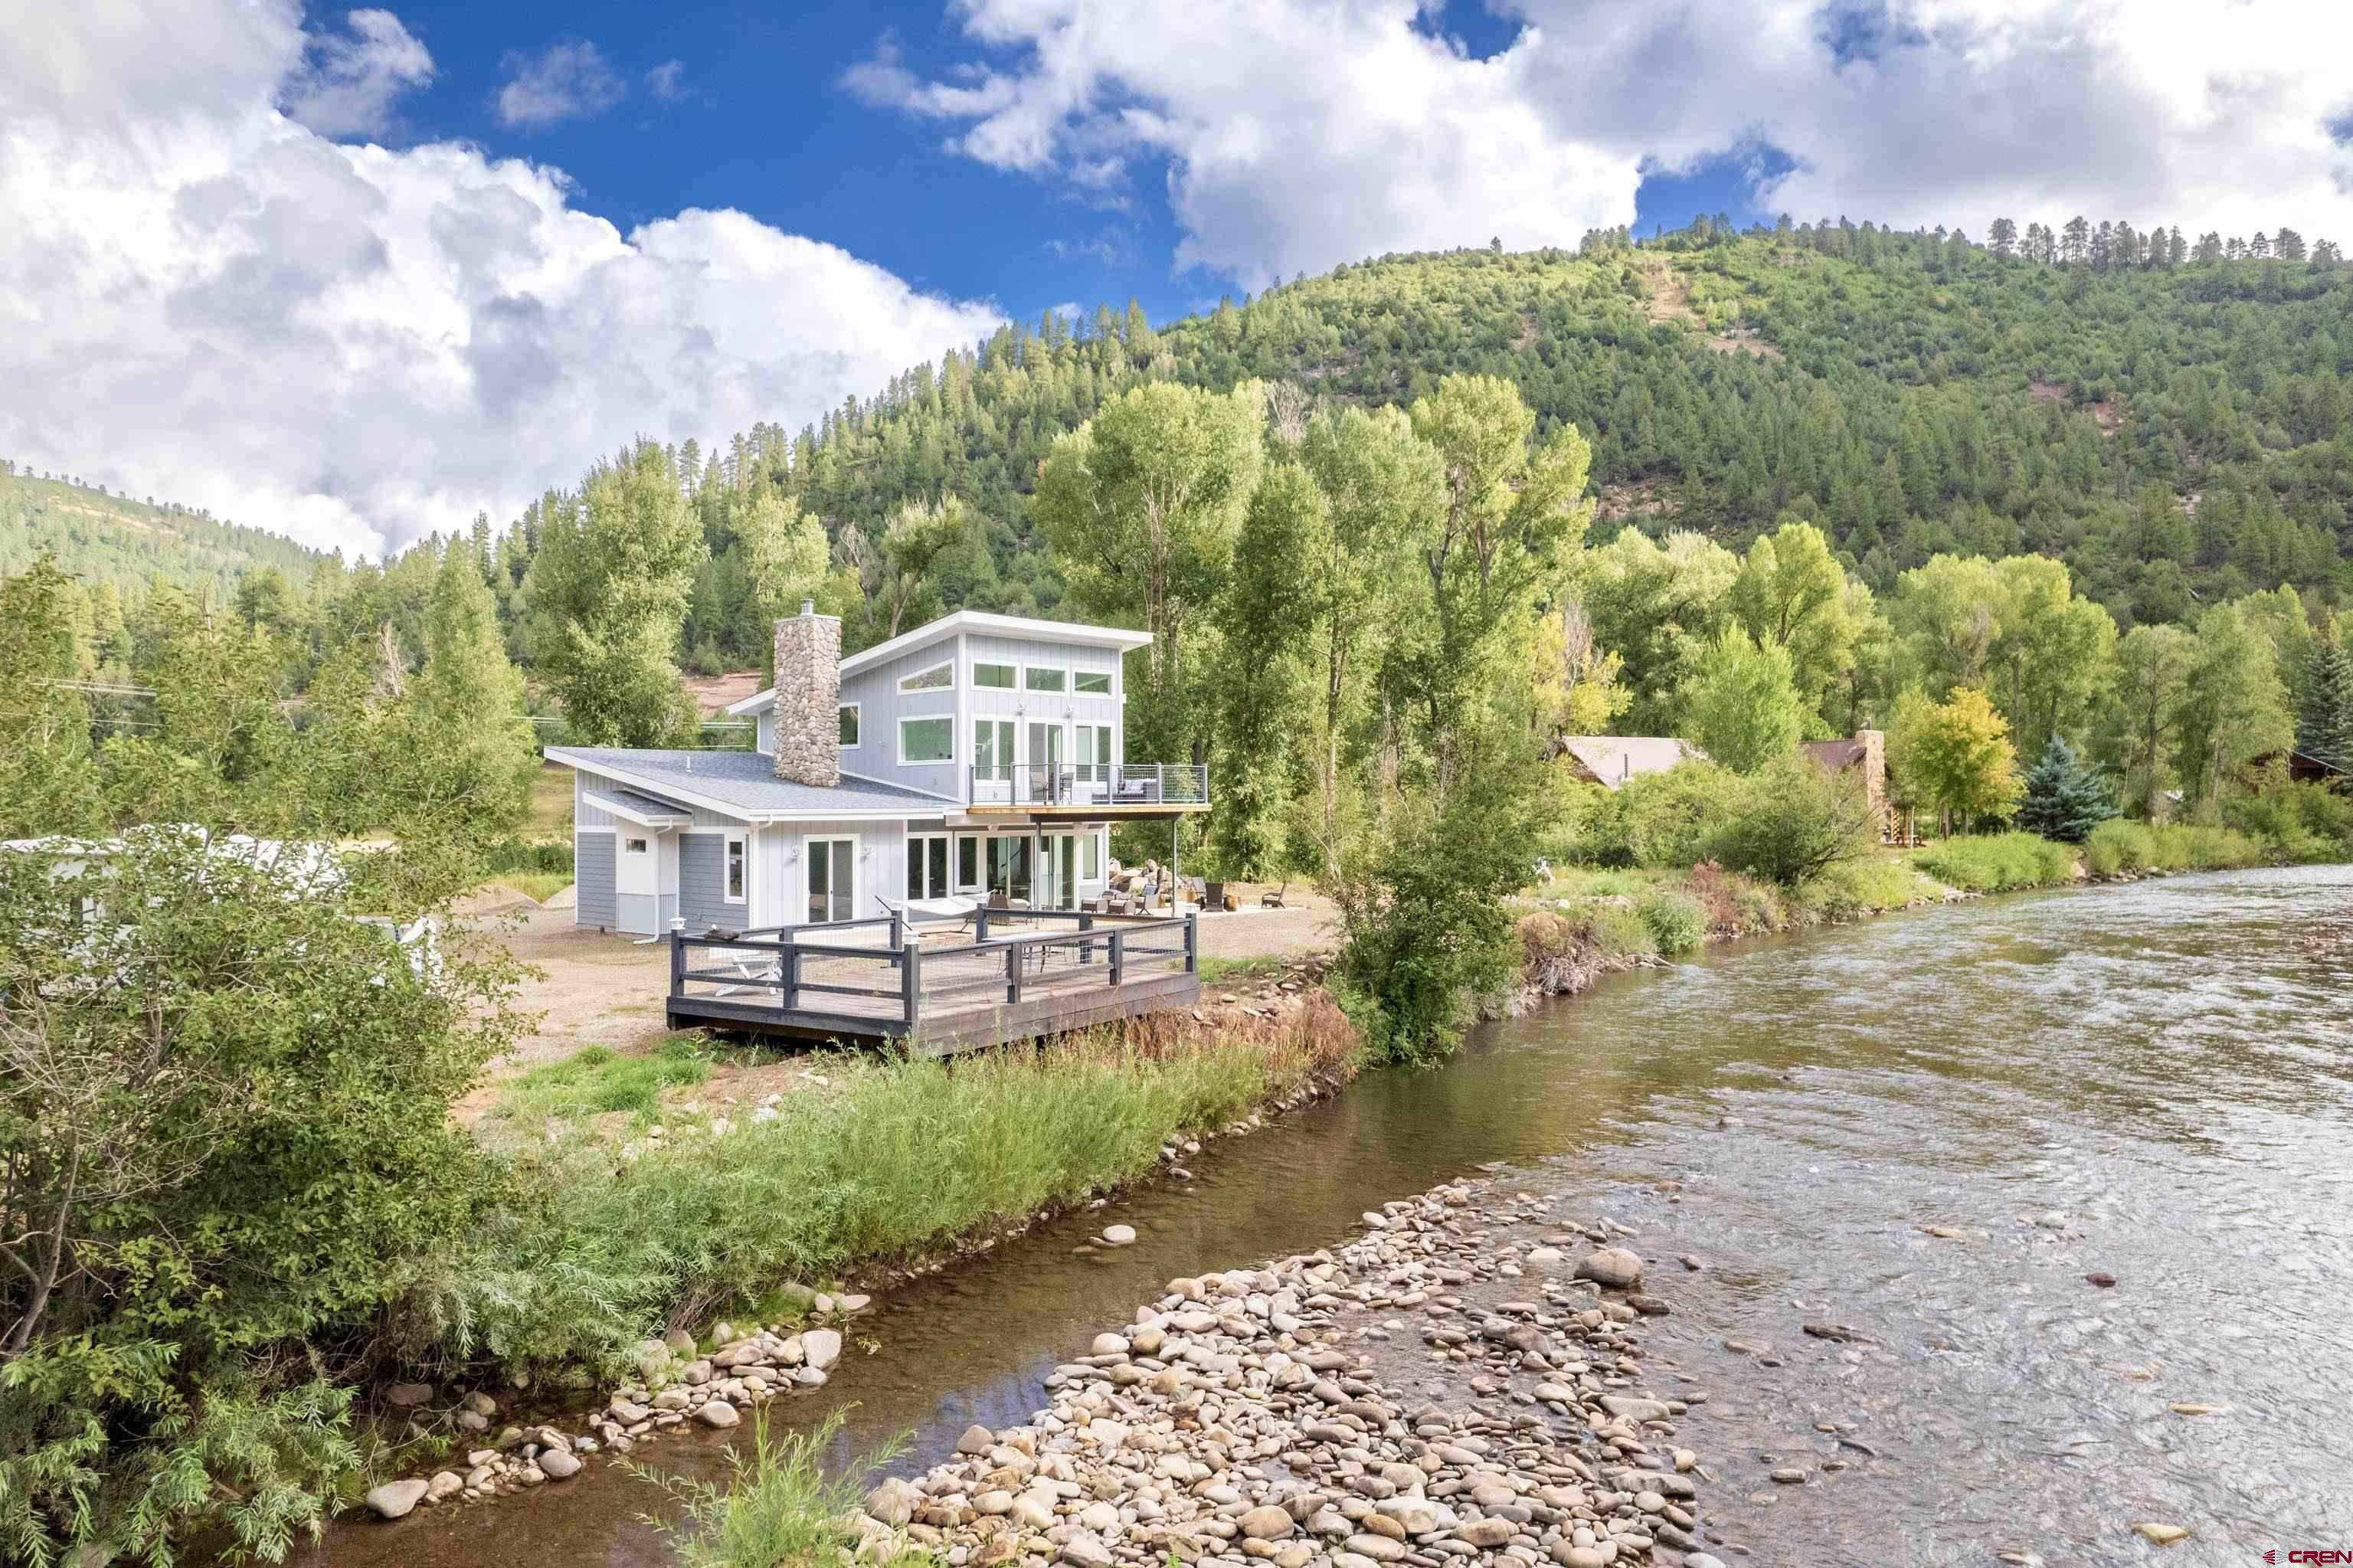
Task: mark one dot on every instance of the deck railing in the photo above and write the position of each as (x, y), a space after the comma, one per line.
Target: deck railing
(1083, 784)
(879, 973)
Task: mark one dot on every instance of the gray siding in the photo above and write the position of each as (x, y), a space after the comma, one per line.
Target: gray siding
(584, 815)
(703, 883)
(880, 707)
(592, 874)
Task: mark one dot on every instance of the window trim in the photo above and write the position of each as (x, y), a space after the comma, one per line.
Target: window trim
(947, 761)
(948, 685)
(734, 865)
(1105, 676)
(857, 712)
(1063, 670)
(1012, 675)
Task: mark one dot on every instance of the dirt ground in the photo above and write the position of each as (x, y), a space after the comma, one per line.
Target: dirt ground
(596, 989)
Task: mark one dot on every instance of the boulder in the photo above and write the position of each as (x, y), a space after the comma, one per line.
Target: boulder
(1611, 1265)
(448, 1483)
(821, 1348)
(1266, 1523)
(717, 1413)
(1086, 1551)
(558, 1465)
(394, 1500)
(894, 1502)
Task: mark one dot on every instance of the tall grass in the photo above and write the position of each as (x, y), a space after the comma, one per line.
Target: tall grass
(779, 1508)
(592, 1253)
(2120, 846)
(1994, 863)
(1868, 885)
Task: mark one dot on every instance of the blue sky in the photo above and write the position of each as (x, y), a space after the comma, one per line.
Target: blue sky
(756, 119)
(355, 274)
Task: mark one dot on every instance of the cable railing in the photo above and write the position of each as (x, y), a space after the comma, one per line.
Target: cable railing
(1085, 784)
(878, 975)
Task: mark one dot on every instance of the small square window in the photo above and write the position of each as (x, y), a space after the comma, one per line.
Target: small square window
(1094, 683)
(995, 677)
(634, 846)
(1043, 680)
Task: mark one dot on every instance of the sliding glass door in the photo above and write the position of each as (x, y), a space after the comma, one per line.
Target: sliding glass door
(927, 865)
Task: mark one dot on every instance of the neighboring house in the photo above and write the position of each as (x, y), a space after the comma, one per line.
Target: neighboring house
(1609, 760)
(1863, 754)
(976, 756)
(2303, 767)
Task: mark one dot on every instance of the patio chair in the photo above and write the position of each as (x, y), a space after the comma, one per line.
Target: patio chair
(1272, 897)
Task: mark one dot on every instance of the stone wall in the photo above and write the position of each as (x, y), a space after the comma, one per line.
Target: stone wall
(809, 695)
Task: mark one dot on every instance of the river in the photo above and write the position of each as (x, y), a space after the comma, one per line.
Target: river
(2151, 1081)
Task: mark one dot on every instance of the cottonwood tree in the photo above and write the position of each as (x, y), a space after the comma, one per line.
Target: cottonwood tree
(1742, 705)
(2152, 669)
(606, 589)
(1955, 757)
(1140, 506)
(1792, 594)
(2233, 706)
(48, 778)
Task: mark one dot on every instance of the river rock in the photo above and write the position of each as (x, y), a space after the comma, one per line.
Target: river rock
(1118, 1236)
(557, 1465)
(1610, 1265)
(407, 1395)
(821, 1348)
(1380, 1548)
(1266, 1523)
(716, 1412)
(1085, 1550)
(977, 1440)
(1110, 1345)
(1634, 1409)
(2161, 1534)
(1485, 1533)
(394, 1500)
(445, 1484)
(894, 1502)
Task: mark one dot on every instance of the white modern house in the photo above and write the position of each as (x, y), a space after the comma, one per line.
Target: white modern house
(979, 757)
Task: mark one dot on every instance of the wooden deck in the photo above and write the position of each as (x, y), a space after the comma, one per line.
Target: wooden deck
(1015, 975)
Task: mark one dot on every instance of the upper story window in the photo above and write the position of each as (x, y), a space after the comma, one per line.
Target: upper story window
(1041, 678)
(996, 677)
(927, 740)
(938, 678)
(846, 718)
(1092, 683)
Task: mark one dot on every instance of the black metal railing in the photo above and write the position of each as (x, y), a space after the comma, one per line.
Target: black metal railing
(1083, 784)
(891, 977)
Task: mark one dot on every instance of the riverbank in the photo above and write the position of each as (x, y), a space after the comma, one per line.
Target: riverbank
(1461, 1383)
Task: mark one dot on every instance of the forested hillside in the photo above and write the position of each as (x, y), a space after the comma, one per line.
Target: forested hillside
(2175, 431)
(129, 544)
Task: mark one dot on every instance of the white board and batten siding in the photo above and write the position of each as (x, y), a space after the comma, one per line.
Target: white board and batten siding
(780, 858)
(881, 705)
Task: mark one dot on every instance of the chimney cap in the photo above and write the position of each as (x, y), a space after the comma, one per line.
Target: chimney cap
(808, 607)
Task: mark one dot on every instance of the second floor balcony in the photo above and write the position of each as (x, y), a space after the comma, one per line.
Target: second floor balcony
(1078, 790)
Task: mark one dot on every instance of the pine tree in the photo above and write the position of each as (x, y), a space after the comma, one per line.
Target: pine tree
(2064, 799)
(2325, 725)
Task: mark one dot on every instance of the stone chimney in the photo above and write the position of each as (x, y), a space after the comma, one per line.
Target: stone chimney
(808, 698)
(1874, 767)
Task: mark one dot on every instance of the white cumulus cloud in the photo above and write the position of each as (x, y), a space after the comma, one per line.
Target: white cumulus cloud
(1296, 133)
(202, 298)
(349, 82)
(568, 79)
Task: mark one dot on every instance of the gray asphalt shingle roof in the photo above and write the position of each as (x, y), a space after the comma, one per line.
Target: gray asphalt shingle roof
(742, 781)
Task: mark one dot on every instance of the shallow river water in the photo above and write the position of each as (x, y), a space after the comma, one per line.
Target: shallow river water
(2152, 1081)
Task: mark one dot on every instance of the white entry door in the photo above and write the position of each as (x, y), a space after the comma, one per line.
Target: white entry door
(832, 879)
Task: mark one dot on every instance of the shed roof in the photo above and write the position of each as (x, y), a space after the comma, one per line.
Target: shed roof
(1118, 639)
(743, 785)
(1611, 760)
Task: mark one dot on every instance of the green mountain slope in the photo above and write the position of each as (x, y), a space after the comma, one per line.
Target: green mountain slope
(2174, 433)
(130, 544)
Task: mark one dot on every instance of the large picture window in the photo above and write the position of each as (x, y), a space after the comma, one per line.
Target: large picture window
(927, 740)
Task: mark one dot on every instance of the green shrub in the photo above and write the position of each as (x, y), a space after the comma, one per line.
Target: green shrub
(2117, 845)
(1866, 886)
(1676, 923)
(1664, 820)
(779, 1506)
(2296, 823)
(1993, 863)
(1621, 933)
(1796, 820)
(515, 855)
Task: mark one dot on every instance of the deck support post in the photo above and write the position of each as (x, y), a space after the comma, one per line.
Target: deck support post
(980, 924)
(1013, 971)
(1117, 956)
(789, 977)
(1086, 949)
(898, 930)
(910, 985)
(1192, 944)
(677, 963)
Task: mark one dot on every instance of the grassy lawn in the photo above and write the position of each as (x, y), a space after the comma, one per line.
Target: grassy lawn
(1214, 971)
(596, 1080)
(550, 818)
(541, 884)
